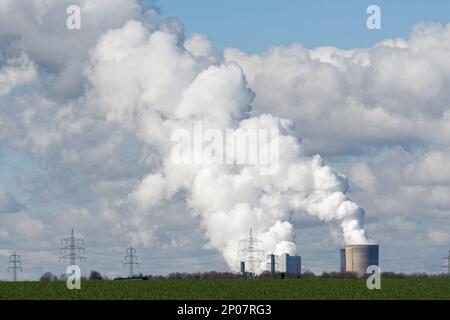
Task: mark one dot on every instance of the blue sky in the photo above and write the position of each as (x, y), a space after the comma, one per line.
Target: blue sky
(253, 26)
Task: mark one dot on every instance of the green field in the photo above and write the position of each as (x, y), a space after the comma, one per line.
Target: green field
(231, 289)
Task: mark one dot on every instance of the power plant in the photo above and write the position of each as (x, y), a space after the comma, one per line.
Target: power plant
(251, 253)
(357, 258)
(343, 267)
(284, 263)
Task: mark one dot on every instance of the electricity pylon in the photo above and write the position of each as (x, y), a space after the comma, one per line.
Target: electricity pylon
(448, 263)
(130, 260)
(251, 252)
(71, 247)
(15, 265)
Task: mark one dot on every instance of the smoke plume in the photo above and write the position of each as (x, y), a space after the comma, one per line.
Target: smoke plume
(162, 87)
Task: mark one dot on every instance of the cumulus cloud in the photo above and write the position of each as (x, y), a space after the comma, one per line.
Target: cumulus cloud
(439, 237)
(349, 101)
(17, 71)
(201, 47)
(7, 203)
(29, 24)
(363, 177)
(20, 225)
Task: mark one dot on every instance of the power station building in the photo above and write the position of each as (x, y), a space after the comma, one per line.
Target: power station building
(358, 258)
(343, 267)
(284, 263)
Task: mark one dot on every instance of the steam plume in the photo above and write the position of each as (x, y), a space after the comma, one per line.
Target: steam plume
(179, 87)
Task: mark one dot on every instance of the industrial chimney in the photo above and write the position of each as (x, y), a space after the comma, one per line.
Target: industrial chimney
(342, 258)
(359, 257)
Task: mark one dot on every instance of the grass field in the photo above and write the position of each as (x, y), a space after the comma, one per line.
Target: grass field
(231, 289)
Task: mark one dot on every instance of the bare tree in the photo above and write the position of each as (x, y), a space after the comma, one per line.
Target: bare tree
(48, 276)
(95, 275)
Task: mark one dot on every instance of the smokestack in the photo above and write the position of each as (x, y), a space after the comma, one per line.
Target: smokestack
(342, 260)
(359, 257)
(272, 263)
(243, 267)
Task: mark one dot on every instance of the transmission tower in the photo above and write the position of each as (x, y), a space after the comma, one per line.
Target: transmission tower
(71, 248)
(448, 263)
(251, 253)
(14, 265)
(130, 260)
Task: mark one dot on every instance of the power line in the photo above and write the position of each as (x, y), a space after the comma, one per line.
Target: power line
(71, 247)
(130, 260)
(171, 266)
(15, 265)
(182, 256)
(406, 260)
(251, 252)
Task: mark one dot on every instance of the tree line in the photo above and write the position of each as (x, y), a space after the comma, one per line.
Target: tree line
(96, 276)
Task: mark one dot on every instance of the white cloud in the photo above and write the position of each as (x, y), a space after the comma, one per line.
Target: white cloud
(431, 169)
(439, 237)
(19, 225)
(200, 47)
(394, 93)
(150, 191)
(34, 23)
(362, 176)
(7, 203)
(17, 71)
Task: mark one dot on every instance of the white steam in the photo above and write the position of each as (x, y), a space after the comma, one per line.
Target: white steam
(152, 84)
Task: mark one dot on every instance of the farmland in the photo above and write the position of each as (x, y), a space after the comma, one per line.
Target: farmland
(298, 289)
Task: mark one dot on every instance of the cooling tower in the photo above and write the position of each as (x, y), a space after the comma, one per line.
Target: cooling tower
(359, 257)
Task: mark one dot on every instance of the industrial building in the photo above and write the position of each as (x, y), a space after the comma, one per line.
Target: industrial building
(359, 257)
(343, 267)
(284, 263)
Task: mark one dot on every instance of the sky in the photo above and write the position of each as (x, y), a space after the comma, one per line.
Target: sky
(256, 26)
(86, 118)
